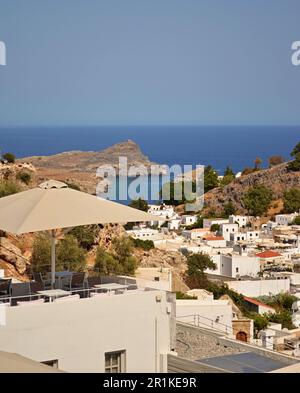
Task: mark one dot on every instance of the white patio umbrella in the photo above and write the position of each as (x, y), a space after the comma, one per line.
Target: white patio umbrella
(52, 205)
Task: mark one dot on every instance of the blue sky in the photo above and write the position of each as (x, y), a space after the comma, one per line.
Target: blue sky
(94, 62)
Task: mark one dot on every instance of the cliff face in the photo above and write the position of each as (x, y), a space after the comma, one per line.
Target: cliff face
(278, 179)
(79, 167)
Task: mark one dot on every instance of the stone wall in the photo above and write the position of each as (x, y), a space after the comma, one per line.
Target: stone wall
(196, 343)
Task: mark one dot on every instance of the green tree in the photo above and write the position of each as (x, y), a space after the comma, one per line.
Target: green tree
(210, 178)
(197, 224)
(24, 177)
(122, 246)
(197, 264)
(280, 301)
(214, 227)
(294, 166)
(85, 235)
(139, 204)
(257, 200)
(41, 253)
(229, 176)
(105, 263)
(228, 171)
(260, 322)
(284, 317)
(122, 249)
(296, 150)
(297, 220)
(8, 187)
(228, 209)
(69, 255)
(291, 200)
(9, 157)
(144, 244)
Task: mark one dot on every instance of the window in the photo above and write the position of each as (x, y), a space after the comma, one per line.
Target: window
(51, 363)
(115, 362)
(236, 269)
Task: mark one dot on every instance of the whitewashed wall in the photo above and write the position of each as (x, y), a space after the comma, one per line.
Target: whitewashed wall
(78, 333)
(260, 287)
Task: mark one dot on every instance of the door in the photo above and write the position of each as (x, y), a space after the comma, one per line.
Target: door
(241, 336)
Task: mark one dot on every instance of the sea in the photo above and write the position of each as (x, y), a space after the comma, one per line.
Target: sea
(219, 146)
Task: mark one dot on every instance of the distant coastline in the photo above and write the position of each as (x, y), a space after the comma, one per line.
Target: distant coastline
(219, 146)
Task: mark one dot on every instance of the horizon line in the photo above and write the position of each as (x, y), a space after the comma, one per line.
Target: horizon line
(143, 125)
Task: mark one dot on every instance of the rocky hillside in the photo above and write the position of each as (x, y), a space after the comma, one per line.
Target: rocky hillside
(13, 171)
(15, 254)
(278, 179)
(79, 167)
(89, 161)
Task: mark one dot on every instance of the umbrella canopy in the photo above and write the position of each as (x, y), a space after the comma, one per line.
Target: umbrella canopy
(52, 205)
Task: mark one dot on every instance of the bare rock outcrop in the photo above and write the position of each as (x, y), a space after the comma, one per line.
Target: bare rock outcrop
(108, 233)
(11, 254)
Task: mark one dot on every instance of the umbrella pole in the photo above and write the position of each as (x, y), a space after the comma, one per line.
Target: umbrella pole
(52, 258)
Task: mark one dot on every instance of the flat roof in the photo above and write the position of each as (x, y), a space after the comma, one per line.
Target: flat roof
(247, 362)
(14, 363)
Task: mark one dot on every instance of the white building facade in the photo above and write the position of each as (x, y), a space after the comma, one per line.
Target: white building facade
(85, 335)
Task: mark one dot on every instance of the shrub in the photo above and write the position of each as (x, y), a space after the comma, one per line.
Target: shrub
(280, 301)
(144, 244)
(119, 260)
(297, 220)
(24, 177)
(122, 246)
(9, 157)
(214, 227)
(284, 317)
(85, 235)
(8, 187)
(257, 200)
(198, 223)
(70, 255)
(73, 186)
(228, 209)
(291, 200)
(247, 171)
(41, 253)
(275, 160)
(139, 204)
(260, 322)
(210, 178)
(184, 296)
(106, 263)
(294, 166)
